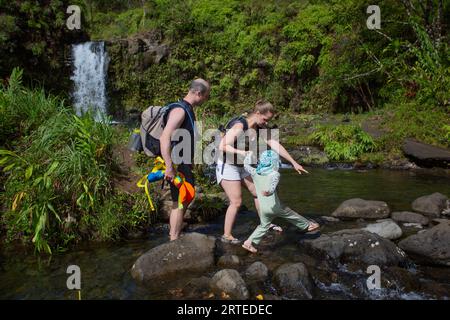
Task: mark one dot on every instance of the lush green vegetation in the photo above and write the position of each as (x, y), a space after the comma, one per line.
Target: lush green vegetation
(303, 56)
(343, 142)
(58, 173)
(316, 55)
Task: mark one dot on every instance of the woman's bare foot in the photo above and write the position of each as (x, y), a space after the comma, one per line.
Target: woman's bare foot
(248, 246)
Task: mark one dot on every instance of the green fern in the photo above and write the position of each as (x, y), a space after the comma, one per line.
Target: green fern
(343, 142)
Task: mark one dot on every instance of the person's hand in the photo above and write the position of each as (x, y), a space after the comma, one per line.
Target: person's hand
(243, 153)
(169, 174)
(299, 168)
(266, 193)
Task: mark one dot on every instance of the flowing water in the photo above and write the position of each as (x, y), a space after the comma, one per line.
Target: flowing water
(105, 269)
(90, 64)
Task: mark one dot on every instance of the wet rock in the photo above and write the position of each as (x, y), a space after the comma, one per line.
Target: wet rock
(399, 164)
(257, 271)
(387, 229)
(196, 288)
(426, 155)
(292, 281)
(191, 252)
(446, 221)
(360, 208)
(446, 211)
(412, 225)
(231, 283)
(329, 219)
(339, 166)
(430, 246)
(430, 205)
(229, 261)
(411, 217)
(356, 245)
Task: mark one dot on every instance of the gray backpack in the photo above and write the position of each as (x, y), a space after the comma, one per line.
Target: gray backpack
(153, 121)
(152, 126)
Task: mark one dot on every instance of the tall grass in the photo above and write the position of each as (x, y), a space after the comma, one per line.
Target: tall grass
(57, 168)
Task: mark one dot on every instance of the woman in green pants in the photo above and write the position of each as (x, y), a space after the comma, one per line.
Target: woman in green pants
(266, 178)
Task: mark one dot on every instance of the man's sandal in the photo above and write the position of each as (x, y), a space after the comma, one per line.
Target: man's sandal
(230, 239)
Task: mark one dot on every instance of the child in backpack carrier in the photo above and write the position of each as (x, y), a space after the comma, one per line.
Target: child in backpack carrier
(266, 178)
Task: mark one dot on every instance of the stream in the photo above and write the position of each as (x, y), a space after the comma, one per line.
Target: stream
(105, 268)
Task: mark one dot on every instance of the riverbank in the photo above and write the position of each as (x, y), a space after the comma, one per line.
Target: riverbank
(390, 137)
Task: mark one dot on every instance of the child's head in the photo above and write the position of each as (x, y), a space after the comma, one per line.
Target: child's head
(268, 162)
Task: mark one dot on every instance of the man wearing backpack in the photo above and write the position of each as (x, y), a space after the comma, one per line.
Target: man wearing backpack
(181, 116)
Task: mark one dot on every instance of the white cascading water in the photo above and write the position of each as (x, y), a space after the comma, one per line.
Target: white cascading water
(90, 62)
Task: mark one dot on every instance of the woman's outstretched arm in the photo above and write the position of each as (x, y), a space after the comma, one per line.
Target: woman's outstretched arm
(275, 145)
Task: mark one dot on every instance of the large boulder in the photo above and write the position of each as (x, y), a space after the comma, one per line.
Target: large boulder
(426, 155)
(431, 205)
(191, 252)
(357, 246)
(230, 282)
(360, 208)
(410, 217)
(430, 246)
(257, 271)
(293, 281)
(387, 229)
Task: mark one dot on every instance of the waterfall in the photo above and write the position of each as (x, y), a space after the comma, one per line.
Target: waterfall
(90, 62)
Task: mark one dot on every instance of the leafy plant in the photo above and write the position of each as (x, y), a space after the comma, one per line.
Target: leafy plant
(343, 142)
(57, 170)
